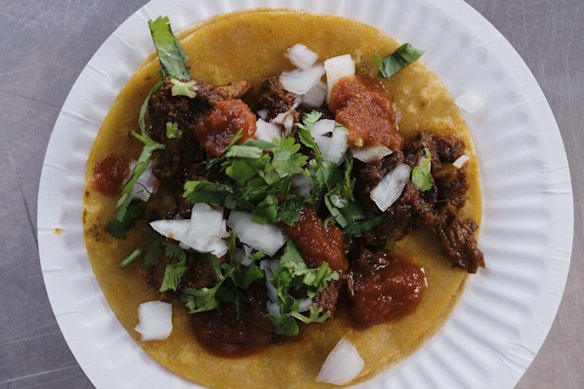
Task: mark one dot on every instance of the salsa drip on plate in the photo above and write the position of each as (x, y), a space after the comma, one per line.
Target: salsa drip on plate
(284, 205)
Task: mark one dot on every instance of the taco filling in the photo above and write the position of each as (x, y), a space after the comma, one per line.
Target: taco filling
(270, 212)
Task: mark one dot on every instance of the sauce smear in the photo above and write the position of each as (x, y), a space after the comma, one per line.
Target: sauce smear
(110, 173)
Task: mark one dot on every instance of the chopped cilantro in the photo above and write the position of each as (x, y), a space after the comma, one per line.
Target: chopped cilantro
(119, 228)
(396, 61)
(174, 251)
(215, 267)
(183, 88)
(131, 257)
(250, 275)
(389, 243)
(207, 192)
(150, 146)
(422, 174)
(315, 315)
(173, 274)
(172, 131)
(206, 299)
(286, 159)
(152, 253)
(357, 229)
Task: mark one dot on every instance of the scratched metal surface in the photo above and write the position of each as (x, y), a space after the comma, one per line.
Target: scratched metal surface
(44, 45)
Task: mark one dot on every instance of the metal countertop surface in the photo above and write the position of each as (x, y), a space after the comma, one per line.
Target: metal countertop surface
(45, 44)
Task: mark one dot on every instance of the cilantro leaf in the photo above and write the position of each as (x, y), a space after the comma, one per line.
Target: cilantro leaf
(304, 132)
(316, 315)
(173, 58)
(173, 274)
(215, 267)
(284, 325)
(267, 210)
(396, 61)
(152, 254)
(357, 229)
(174, 251)
(119, 228)
(250, 275)
(207, 192)
(172, 131)
(244, 151)
(286, 158)
(205, 299)
(131, 257)
(422, 174)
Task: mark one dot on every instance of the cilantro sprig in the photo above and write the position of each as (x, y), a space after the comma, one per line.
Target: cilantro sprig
(403, 56)
(173, 58)
(293, 275)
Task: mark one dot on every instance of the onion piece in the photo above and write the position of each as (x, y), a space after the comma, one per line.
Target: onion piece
(204, 232)
(301, 56)
(338, 146)
(146, 184)
(460, 161)
(265, 237)
(303, 185)
(323, 127)
(371, 154)
(471, 103)
(391, 187)
(342, 365)
(304, 304)
(315, 96)
(337, 68)
(269, 269)
(155, 320)
(263, 114)
(300, 81)
(267, 131)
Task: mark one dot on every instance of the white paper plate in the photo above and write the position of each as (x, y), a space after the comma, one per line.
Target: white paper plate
(526, 234)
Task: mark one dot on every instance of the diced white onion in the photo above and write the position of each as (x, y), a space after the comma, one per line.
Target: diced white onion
(204, 232)
(300, 81)
(155, 320)
(267, 131)
(371, 154)
(391, 187)
(323, 127)
(263, 114)
(301, 56)
(172, 229)
(471, 103)
(273, 308)
(342, 365)
(303, 185)
(269, 269)
(460, 161)
(304, 304)
(337, 68)
(315, 96)
(145, 185)
(265, 237)
(337, 147)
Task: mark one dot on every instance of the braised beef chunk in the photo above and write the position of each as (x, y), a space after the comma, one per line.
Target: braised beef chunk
(443, 148)
(181, 110)
(274, 98)
(452, 186)
(457, 237)
(317, 243)
(225, 332)
(327, 300)
(386, 292)
(235, 90)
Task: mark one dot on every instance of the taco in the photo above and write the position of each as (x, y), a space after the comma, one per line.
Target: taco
(277, 213)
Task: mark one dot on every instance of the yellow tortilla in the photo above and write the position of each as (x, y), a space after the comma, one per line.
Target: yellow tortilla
(249, 46)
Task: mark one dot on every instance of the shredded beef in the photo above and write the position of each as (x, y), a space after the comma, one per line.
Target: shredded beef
(327, 300)
(274, 98)
(443, 148)
(457, 238)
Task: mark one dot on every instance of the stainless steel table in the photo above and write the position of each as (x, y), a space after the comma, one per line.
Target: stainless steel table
(45, 44)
